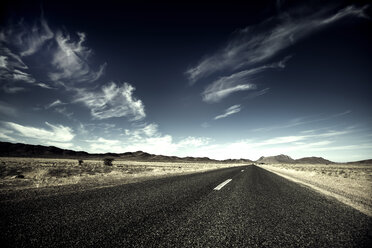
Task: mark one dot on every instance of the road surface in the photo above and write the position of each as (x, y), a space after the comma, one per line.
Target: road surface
(235, 207)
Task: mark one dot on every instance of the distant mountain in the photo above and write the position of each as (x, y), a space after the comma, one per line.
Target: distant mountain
(284, 159)
(37, 151)
(313, 160)
(23, 150)
(368, 161)
(279, 159)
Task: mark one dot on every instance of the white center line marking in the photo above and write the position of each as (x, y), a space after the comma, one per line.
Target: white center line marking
(222, 184)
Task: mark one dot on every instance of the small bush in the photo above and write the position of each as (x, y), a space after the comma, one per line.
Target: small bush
(80, 162)
(108, 161)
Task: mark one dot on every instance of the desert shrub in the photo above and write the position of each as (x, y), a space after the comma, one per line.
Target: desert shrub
(108, 161)
(80, 162)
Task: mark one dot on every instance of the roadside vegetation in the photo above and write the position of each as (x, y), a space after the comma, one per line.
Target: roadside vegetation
(20, 173)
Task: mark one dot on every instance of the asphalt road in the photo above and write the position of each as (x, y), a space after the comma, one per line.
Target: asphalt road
(255, 209)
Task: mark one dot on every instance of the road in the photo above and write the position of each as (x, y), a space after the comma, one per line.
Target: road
(256, 208)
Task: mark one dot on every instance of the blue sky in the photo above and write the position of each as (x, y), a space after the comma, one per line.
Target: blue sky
(218, 80)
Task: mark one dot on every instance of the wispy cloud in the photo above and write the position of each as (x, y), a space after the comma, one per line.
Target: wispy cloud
(10, 60)
(343, 148)
(12, 68)
(28, 39)
(70, 67)
(55, 104)
(56, 133)
(219, 90)
(193, 142)
(32, 40)
(239, 81)
(64, 111)
(229, 111)
(303, 140)
(282, 140)
(112, 101)
(25, 40)
(257, 93)
(101, 145)
(301, 121)
(71, 60)
(4, 135)
(12, 89)
(258, 43)
(23, 76)
(143, 130)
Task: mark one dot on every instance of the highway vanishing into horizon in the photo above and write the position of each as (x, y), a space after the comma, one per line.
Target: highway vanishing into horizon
(234, 207)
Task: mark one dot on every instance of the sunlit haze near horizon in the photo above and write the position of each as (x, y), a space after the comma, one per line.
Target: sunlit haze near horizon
(218, 80)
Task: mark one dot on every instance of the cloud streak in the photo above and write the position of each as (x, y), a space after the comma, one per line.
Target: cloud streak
(67, 63)
(28, 39)
(56, 133)
(55, 104)
(239, 81)
(70, 60)
(301, 121)
(255, 44)
(25, 41)
(33, 40)
(112, 101)
(229, 111)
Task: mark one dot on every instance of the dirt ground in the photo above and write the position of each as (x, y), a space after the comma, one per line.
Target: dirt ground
(24, 173)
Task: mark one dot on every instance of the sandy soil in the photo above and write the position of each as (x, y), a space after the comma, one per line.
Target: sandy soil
(350, 184)
(24, 173)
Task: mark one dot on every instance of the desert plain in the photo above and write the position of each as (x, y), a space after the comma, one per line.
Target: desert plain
(22, 173)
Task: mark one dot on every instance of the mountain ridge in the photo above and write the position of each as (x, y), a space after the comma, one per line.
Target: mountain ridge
(8, 149)
(284, 159)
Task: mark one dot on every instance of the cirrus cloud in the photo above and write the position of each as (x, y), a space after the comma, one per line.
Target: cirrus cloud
(112, 100)
(229, 111)
(70, 60)
(255, 44)
(56, 133)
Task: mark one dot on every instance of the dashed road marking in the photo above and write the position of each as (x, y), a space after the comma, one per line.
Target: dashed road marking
(220, 186)
(242, 170)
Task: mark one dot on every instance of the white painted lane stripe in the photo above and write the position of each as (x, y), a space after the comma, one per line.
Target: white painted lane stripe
(242, 170)
(222, 184)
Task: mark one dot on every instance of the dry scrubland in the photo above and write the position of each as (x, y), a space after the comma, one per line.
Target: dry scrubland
(349, 183)
(22, 173)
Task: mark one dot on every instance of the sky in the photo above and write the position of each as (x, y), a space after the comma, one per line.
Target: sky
(219, 80)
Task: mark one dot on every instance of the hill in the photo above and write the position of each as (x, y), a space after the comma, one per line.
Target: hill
(313, 160)
(37, 151)
(279, 159)
(284, 159)
(363, 162)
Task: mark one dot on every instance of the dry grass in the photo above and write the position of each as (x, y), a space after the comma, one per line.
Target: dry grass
(351, 184)
(20, 173)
